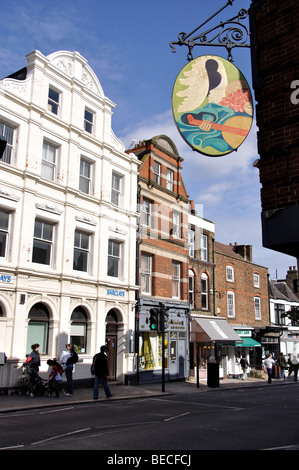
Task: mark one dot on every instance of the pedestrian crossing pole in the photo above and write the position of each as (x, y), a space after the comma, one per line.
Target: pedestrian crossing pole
(163, 317)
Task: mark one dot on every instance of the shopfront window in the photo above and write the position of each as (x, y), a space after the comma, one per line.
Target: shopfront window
(150, 351)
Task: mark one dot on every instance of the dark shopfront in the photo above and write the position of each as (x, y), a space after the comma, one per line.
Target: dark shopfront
(176, 341)
(269, 338)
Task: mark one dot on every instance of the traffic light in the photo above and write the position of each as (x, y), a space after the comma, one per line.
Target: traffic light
(154, 319)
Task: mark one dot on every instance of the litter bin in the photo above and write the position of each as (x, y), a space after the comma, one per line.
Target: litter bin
(213, 374)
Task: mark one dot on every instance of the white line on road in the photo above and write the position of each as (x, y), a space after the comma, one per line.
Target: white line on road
(57, 410)
(212, 405)
(178, 416)
(60, 436)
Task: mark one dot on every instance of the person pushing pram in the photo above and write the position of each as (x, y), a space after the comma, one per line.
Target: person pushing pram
(36, 385)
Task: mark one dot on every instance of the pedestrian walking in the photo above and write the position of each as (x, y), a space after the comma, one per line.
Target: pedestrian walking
(295, 366)
(268, 365)
(100, 370)
(244, 365)
(281, 361)
(33, 361)
(68, 358)
(54, 377)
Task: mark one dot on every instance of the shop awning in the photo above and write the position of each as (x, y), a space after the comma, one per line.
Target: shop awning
(248, 343)
(215, 329)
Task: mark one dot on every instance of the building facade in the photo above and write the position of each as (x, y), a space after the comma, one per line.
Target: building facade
(242, 298)
(275, 55)
(282, 300)
(68, 219)
(162, 261)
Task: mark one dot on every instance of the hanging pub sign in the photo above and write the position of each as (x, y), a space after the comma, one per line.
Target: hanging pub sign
(212, 106)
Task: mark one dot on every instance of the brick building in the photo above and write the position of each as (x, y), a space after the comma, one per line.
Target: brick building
(163, 259)
(241, 296)
(275, 53)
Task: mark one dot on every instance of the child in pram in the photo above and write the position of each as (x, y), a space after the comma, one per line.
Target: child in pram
(54, 377)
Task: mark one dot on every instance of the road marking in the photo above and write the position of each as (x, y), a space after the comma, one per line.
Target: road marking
(212, 405)
(11, 447)
(60, 436)
(295, 446)
(57, 410)
(178, 416)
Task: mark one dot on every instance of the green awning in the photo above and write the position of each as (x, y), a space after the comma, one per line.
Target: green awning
(248, 343)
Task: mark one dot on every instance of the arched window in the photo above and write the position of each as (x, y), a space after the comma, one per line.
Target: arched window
(79, 329)
(38, 328)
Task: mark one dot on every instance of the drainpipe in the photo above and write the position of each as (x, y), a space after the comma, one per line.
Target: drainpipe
(137, 307)
(214, 291)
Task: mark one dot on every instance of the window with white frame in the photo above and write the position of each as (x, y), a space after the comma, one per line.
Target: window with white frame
(175, 280)
(43, 240)
(81, 251)
(191, 288)
(176, 224)
(85, 176)
(146, 213)
(204, 291)
(169, 179)
(114, 252)
(231, 304)
(49, 157)
(229, 273)
(53, 100)
(157, 172)
(279, 310)
(256, 280)
(191, 240)
(78, 331)
(4, 232)
(7, 133)
(146, 274)
(88, 121)
(116, 188)
(257, 308)
(204, 248)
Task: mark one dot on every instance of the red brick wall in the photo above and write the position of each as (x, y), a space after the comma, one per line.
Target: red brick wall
(158, 240)
(277, 27)
(243, 288)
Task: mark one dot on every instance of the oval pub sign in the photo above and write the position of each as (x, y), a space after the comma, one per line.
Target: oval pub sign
(212, 106)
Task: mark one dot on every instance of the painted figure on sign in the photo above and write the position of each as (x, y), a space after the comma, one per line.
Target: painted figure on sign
(212, 106)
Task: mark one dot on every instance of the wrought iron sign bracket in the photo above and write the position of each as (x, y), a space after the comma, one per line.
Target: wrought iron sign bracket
(229, 34)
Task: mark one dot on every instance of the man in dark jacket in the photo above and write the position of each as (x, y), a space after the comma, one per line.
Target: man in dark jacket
(101, 372)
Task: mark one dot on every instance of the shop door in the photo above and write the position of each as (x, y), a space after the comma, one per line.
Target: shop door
(181, 357)
(111, 344)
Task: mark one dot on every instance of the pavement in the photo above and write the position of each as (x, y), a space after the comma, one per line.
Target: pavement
(15, 402)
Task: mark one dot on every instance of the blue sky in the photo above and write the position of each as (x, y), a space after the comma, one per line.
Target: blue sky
(126, 43)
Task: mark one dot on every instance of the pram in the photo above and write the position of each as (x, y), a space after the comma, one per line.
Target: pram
(31, 383)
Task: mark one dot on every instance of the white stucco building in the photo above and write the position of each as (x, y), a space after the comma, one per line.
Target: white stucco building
(67, 219)
(282, 299)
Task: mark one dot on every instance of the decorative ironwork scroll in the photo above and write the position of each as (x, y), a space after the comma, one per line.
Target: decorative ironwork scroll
(229, 34)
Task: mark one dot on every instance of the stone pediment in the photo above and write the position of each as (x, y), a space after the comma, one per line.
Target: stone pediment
(75, 66)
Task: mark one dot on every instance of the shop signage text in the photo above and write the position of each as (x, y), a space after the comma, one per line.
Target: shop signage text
(117, 293)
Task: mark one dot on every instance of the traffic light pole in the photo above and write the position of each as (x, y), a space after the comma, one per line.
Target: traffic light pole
(163, 347)
(162, 328)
